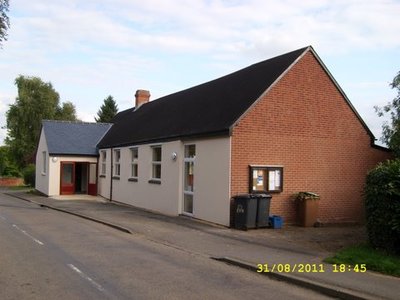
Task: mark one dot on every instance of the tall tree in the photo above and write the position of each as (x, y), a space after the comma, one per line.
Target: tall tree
(391, 130)
(4, 20)
(7, 168)
(36, 101)
(66, 112)
(107, 111)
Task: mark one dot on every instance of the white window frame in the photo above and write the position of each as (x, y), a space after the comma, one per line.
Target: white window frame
(117, 163)
(155, 163)
(103, 158)
(188, 159)
(44, 165)
(134, 162)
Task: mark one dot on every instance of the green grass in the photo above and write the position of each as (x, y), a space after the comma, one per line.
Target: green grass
(19, 187)
(375, 260)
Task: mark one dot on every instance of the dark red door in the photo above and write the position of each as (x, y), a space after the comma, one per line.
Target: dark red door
(67, 178)
(92, 185)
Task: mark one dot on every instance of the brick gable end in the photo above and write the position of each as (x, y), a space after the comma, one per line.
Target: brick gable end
(305, 124)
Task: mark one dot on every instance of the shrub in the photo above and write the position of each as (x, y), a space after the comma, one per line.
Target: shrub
(11, 171)
(29, 173)
(382, 202)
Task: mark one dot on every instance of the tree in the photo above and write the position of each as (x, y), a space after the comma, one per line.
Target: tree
(391, 131)
(66, 112)
(107, 111)
(36, 101)
(7, 168)
(4, 20)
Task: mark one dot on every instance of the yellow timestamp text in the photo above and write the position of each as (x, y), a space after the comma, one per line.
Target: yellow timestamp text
(310, 268)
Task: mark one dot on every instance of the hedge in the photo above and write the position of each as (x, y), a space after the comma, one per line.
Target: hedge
(382, 202)
(29, 175)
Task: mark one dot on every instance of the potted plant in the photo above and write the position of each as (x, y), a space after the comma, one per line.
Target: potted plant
(307, 208)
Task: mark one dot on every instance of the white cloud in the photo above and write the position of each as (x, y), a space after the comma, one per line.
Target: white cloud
(90, 49)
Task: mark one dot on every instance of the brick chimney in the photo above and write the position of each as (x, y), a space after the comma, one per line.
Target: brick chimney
(141, 97)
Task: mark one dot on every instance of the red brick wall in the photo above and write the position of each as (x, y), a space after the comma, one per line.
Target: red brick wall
(304, 124)
(11, 181)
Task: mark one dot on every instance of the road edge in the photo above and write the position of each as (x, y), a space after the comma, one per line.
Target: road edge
(118, 227)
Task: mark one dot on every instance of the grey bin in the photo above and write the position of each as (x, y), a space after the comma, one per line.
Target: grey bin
(251, 211)
(263, 205)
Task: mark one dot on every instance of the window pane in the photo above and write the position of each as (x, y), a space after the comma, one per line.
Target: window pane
(156, 171)
(274, 180)
(134, 171)
(67, 173)
(188, 203)
(259, 180)
(189, 176)
(92, 173)
(44, 169)
(156, 153)
(117, 169)
(190, 151)
(117, 155)
(134, 153)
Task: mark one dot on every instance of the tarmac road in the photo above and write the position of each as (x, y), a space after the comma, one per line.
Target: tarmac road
(51, 255)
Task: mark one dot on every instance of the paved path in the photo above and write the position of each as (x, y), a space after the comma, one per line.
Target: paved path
(246, 249)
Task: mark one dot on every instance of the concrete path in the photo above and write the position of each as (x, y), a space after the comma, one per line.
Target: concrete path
(281, 254)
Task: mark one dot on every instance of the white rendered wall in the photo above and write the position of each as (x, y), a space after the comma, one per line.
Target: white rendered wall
(42, 179)
(211, 179)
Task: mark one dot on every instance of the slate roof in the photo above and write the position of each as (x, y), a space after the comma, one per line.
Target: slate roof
(73, 138)
(207, 109)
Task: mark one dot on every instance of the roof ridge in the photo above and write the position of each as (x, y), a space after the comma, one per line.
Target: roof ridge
(76, 122)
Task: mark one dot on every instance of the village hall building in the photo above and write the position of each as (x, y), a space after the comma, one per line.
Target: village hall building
(280, 126)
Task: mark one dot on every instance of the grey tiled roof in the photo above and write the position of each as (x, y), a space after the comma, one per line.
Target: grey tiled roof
(73, 138)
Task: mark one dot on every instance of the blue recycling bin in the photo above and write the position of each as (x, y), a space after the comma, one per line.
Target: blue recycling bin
(276, 222)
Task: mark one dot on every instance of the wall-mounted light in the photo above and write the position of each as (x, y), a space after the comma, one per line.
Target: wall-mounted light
(174, 156)
(54, 159)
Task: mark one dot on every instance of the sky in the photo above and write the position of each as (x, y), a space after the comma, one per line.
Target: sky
(94, 48)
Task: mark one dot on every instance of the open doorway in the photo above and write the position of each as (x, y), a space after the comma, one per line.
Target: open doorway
(78, 178)
(81, 178)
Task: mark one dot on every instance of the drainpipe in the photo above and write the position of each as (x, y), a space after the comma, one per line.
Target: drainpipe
(111, 175)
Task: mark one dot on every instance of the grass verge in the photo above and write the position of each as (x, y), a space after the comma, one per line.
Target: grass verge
(19, 188)
(375, 260)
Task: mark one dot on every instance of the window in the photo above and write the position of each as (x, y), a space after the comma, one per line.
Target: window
(44, 166)
(156, 163)
(190, 151)
(188, 183)
(117, 162)
(134, 162)
(103, 156)
(266, 179)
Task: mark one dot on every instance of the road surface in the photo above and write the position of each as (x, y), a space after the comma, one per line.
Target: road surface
(46, 254)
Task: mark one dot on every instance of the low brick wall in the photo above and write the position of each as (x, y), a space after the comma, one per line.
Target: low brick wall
(11, 181)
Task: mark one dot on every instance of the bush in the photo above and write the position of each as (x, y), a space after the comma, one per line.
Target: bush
(11, 171)
(29, 173)
(382, 202)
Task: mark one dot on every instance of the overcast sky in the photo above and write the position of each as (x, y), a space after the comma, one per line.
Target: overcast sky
(94, 48)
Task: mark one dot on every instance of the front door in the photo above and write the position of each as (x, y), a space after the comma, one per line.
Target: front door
(67, 178)
(92, 185)
(188, 185)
